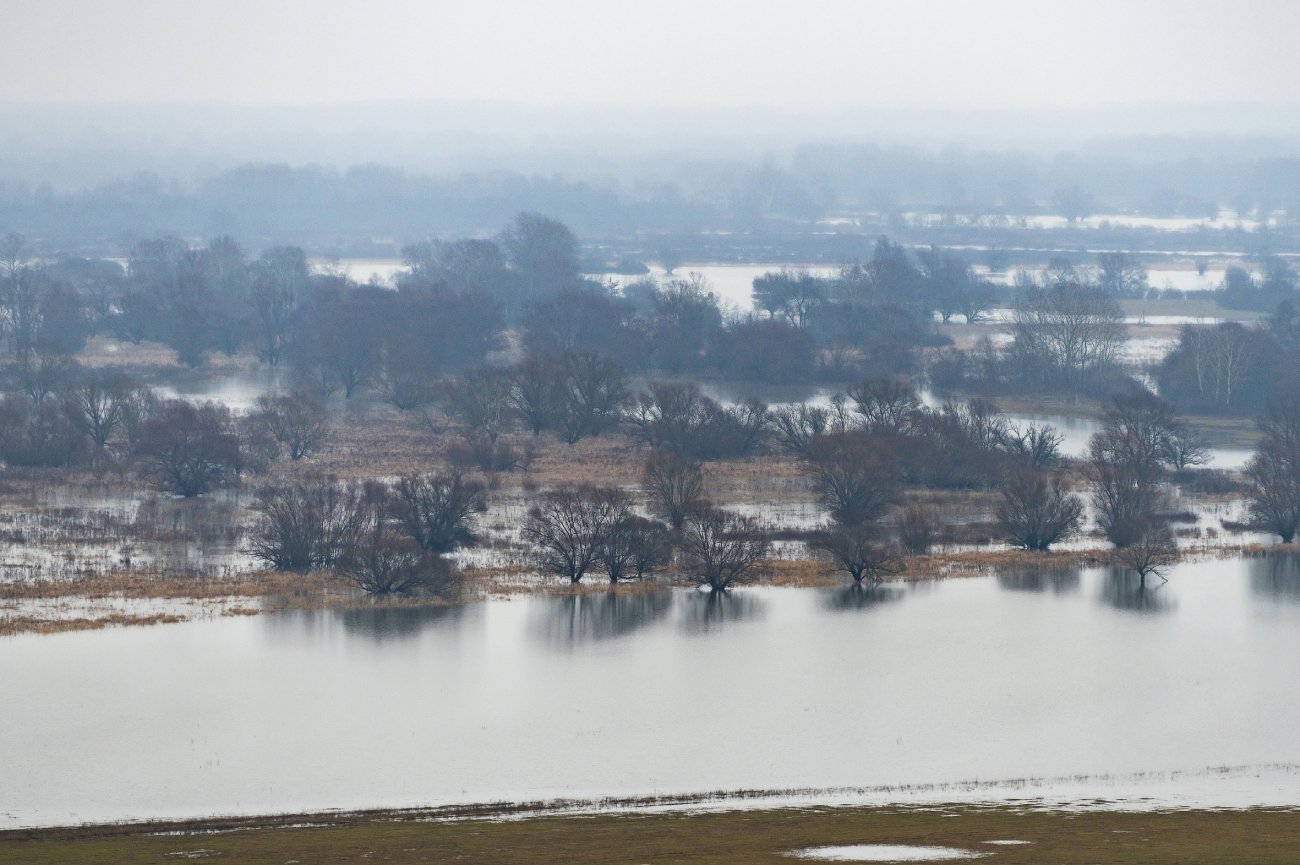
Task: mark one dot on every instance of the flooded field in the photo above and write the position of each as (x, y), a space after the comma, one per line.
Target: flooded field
(1053, 686)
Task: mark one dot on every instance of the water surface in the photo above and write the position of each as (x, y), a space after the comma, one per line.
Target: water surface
(963, 681)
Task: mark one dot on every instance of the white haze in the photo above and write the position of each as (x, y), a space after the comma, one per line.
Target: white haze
(1007, 54)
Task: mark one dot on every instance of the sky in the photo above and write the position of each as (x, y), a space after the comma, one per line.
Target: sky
(1002, 54)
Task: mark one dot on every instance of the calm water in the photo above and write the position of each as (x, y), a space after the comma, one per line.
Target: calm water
(1054, 674)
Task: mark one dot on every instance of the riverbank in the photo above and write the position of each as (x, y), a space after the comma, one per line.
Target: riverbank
(122, 600)
(998, 835)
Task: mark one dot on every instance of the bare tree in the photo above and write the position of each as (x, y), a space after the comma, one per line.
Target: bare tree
(1152, 550)
(635, 548)
(99, 402)
(1124, 493)
(571, 525)
(1038, 444)
(280, 279)
(188, 449)
(437, 511)
(1140, 439)
(857, 550)
(537, 392)
(1066, 332)
(674, 486)
(797, 425)
(44, 369)
(306, 524)
(594, 393)
(299, 422)
(381, 561)
(886, 404)
(1121, 274)
(721, 548)
(1274, 471)
(481, 400)
(851, 477)
(918, 529)
(1036, 512)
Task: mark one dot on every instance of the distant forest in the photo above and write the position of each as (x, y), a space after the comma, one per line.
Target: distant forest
(374, 209)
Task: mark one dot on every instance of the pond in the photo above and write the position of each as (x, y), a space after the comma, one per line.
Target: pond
(968, 683)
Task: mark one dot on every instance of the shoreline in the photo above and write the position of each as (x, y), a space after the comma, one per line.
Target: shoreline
(686, 830)
(175, 600)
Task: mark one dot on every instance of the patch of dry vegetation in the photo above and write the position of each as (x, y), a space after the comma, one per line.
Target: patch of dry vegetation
(734, 837)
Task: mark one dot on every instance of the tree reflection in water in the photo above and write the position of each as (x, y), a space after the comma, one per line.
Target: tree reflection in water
(704, 611)
(570, 620)
(389, 623)
(1123, 590)
(860, 597)
(1276, 577)
(1058, 581)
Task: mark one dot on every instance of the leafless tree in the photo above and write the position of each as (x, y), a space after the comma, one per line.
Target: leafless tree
(678, 418)
(1274, 470)
(1121, 274)
(721, 548)
(189, 449)
(299, 422)
(99, 402)
(635, 548)
(858, 550)
(381, 561)
(1036, 511)
(1065, 332)
(1219, 355)
(43, 369)
(886, 404)
(280, 278)
(852, 477)
(570, 526)
(437, 511)
(797, 425)
(481, 400)
(305, 524)
(594, 393)
(1152, 550)
(674, 486)
(537, 392)
(918, 529)
(1140, 439)
(1038, 444)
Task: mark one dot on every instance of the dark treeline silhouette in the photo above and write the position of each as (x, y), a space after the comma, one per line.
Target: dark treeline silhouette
(322, 206)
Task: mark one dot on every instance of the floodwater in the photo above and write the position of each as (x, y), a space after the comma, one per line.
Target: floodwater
(1077, 683)
(237, 391)
(733, 284)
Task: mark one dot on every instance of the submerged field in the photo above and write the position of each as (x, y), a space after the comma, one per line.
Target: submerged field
(1250, 837)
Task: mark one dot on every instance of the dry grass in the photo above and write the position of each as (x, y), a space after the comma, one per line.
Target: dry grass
(10, 626)
(733, 837)
(163, 586)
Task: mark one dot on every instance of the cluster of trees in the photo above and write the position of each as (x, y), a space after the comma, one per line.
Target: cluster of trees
(1275, 283)
(386, 538)
(1274, 470)
(587, 528)
(1066, 337)
(1230, 368)
(60, 414)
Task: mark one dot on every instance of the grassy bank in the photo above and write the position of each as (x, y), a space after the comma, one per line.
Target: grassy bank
(1257, 837)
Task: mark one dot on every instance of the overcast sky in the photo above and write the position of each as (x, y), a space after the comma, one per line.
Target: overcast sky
(932, 53)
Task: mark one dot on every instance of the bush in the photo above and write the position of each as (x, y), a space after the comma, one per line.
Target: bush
(306, 524)
(188, 449)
